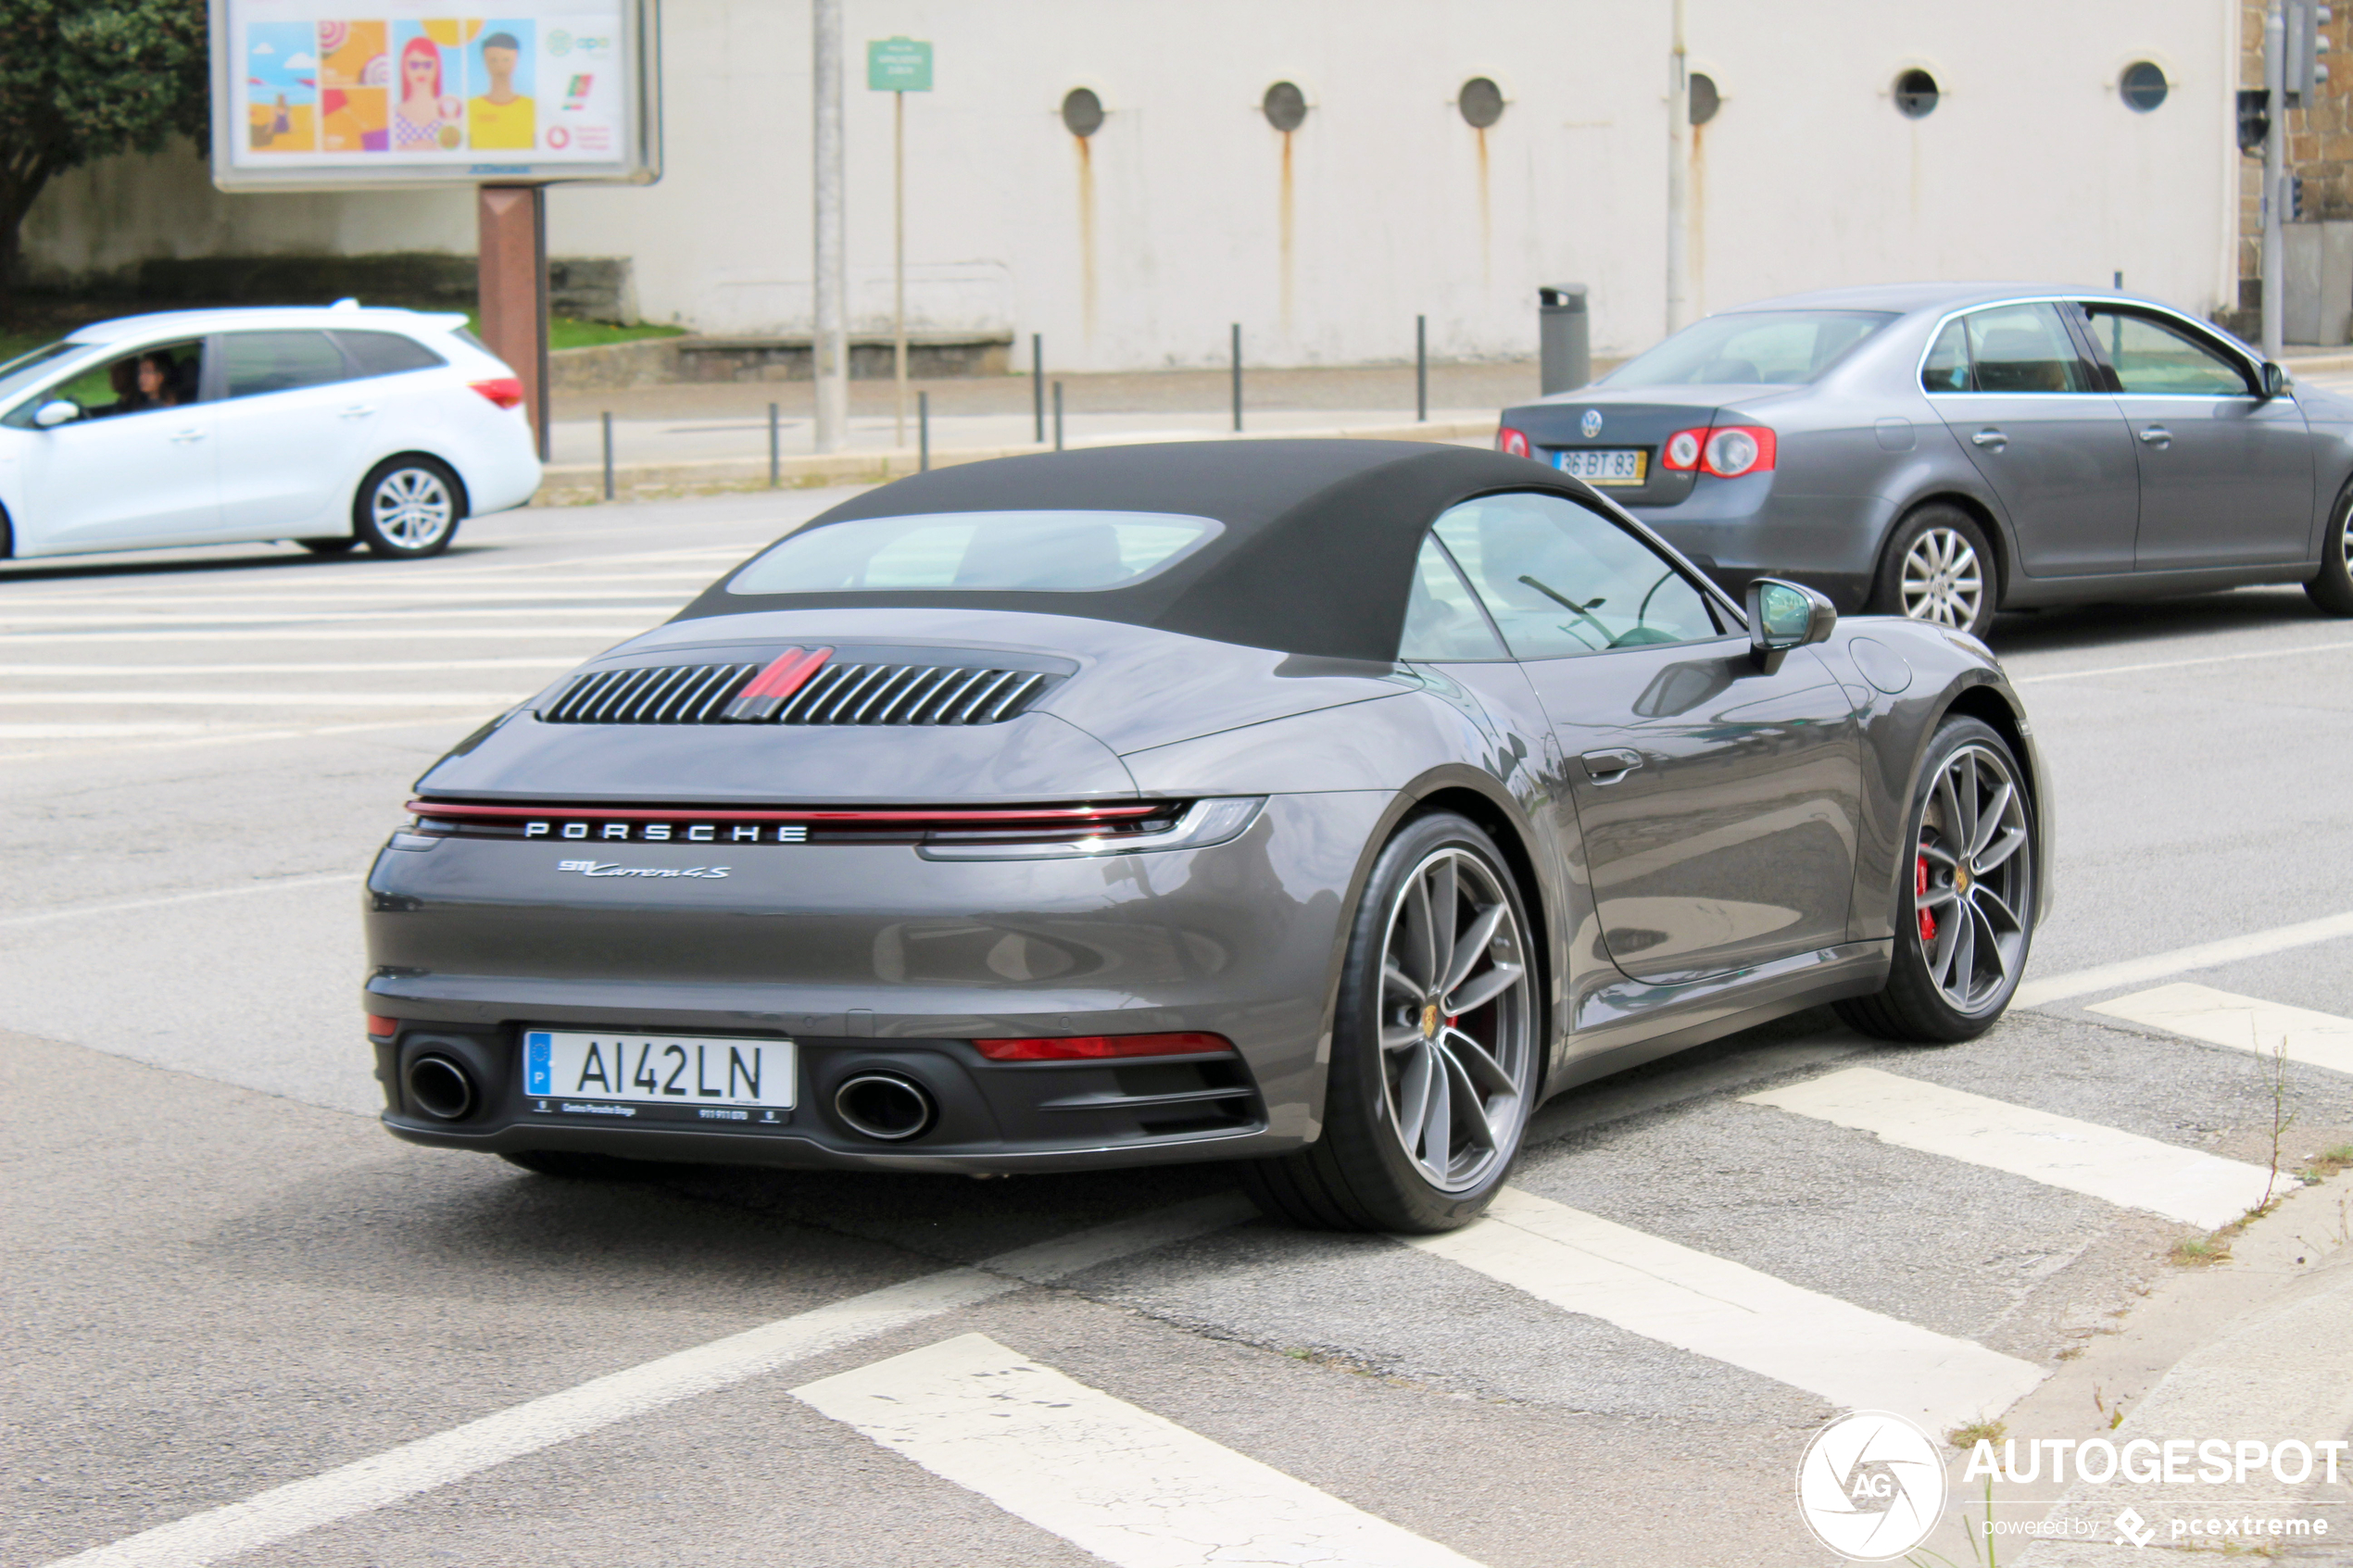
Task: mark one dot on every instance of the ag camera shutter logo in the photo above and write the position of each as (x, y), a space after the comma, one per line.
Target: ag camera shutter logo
(1871, 1486)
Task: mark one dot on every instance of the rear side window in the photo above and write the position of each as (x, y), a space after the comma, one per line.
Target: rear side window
(1028, 551)
(386, 354)
(254, 363)
(1443, 621)
(1560, 580)
(2010, 348)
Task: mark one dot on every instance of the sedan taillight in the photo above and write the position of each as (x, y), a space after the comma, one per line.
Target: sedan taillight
(1510, 441)
(1683, 450)
(505, 391)
(1734, 450)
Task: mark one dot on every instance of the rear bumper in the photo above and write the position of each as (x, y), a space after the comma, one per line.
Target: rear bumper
(872, 958)
(1741, 529)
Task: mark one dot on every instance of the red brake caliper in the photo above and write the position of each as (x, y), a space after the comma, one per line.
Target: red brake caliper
(1920, 890)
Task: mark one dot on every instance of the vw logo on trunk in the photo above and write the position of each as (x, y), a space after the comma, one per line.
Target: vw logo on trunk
(1591, 423)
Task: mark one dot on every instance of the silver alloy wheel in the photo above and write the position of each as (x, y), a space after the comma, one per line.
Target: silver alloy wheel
(1942, 579)
(412, 508)
(1457, 1020)
(1972, 878)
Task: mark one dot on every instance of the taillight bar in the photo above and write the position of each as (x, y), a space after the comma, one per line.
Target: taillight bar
(1096, 1048)
(1014, 816)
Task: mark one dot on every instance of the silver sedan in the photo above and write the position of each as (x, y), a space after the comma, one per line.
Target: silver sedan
(1944, 450)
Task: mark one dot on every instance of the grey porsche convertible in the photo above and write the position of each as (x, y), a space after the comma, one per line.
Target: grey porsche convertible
(1322, 807)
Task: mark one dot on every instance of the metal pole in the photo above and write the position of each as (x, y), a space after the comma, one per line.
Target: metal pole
(776, 451)
(1421, 369)
(607, 419)
(1058, 416)
(830, 351)
(922, 432)
(1238, 377)
(1037, 381)
(898, 256)
(1679, 182)
(2274, 178)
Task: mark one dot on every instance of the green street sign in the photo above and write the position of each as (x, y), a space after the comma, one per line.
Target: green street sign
(899, 65)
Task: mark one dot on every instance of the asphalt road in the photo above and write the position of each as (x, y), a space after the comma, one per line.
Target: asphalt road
(224, 1279)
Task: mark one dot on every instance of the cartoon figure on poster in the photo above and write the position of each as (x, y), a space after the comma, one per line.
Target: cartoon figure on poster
(503, 117)
(281, 88)
(429, 112)
(355, 75)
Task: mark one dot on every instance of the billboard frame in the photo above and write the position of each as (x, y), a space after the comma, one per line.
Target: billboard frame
(640, 163)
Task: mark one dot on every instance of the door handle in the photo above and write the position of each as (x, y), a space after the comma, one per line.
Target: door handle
(358, 411)
(1608, 767)
(2158, 435)
(1991, 437)
(183, 437)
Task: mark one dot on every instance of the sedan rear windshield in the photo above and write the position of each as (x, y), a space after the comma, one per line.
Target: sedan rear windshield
(1782, 347)
(1035, 551)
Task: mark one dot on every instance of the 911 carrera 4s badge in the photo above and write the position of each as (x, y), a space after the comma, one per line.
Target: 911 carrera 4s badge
(606, 867)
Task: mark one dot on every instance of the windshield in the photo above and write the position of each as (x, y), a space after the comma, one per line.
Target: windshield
(26, 369)
(1033, 551)
(1787, 347)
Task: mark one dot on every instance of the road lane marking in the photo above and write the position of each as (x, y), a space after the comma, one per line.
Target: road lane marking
(429, 1463)
(2178, 663)
(2125, 1168)
(1853, 1357)
(283, 884)
(420, 610)
(380, 667)
(452, 726)
(2247, 1023)
(1132, 1487)
(330, 633)
(2164, 966)
(100, 697)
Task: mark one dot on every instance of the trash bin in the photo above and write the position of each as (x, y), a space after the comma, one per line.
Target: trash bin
(1565, 347)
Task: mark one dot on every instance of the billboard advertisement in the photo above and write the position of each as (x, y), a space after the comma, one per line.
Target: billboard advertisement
(341, 94)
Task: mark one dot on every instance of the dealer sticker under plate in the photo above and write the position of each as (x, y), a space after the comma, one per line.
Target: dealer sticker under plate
(697, 1078)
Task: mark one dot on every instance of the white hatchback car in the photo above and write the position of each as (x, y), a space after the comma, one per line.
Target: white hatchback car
(331, 425)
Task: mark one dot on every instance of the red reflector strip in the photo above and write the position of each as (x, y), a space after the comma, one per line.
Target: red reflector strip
(1011, 816)
(505, 391)
(769, 690)
(379, 1025)
(1076, 1047)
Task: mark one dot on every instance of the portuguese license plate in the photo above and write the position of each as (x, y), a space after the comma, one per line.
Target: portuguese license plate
(674, 1075)
(1603, 464)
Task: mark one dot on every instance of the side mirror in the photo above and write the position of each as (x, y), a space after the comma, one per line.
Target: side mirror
(49, 416)
(1782, 616)
(2276, 381)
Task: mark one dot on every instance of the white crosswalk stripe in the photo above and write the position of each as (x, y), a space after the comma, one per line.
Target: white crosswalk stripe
(1129, 1486)
(2122, 1168)
(2314, 1039)
(1713, 1307)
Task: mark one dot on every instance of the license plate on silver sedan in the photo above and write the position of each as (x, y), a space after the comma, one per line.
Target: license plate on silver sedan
(1603, 464)
(586, 1070)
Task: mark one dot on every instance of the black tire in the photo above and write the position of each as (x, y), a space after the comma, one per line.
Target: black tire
(1929, 999)
(409, 507)
(335, 546)
(2331, 588)
(1922, 577)
(571, 1166)
(1473, 1086)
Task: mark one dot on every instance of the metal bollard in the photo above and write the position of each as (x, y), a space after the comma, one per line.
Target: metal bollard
(1238, 378)
(607, 419)
(922, 432)
(776, 458)
(1058, 416)
(1564, 342)
(1037, 381)
(1421, 369)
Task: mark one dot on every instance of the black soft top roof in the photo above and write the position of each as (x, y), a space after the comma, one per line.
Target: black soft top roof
(1316, 556)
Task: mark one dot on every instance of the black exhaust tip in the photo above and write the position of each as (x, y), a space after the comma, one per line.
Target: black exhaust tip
(441, 1087)
(885, 1106)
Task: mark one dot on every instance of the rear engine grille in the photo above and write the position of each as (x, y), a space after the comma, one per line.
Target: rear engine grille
(811, 689)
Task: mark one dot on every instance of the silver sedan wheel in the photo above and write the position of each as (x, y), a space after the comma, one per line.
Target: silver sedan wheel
(1943, 579)
(1457, 1020)
(412, 508)
(1972, 878)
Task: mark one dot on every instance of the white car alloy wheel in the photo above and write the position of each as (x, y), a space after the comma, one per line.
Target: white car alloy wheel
(412, 508)
(1943, 580)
